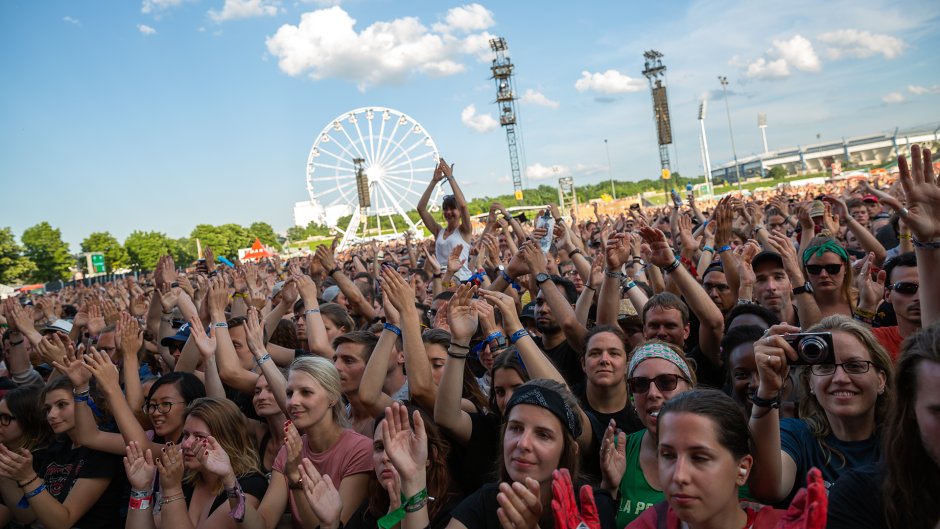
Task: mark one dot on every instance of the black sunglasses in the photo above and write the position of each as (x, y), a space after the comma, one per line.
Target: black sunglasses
(904, 287)
(831, 269)
(663, 383)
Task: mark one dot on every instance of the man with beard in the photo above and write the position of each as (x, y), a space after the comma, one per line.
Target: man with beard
(901, 290)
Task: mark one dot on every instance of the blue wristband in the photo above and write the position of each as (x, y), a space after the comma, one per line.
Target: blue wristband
(708, 249)
(493, 336)
(516, 336)
(724, 249)
(506, 277)
(394, 329)
(24, 503)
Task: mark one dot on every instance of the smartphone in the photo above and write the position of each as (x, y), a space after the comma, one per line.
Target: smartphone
(548, 222)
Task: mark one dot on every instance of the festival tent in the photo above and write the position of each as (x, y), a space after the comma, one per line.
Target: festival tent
(257, 251)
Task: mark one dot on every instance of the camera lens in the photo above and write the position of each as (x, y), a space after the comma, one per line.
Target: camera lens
(813, 349)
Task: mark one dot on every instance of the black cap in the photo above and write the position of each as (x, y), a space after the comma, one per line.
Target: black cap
(764, 257)
(528, 311)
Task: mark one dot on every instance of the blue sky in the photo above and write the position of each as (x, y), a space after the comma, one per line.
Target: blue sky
(163, 114)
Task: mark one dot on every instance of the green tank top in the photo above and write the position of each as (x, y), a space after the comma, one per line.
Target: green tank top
(636, 494)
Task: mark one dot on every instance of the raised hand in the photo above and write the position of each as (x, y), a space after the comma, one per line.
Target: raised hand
(217, 298)
(870, 292)
(294, 444)
(16, 465)
(454, 261)
(407, 449)
(616, 252)
(771, 354)
(534, 257)
(520, 506)
(169, 297)
(613, 457)
(322, 495)
(128, 335)
(566, 511)
(213, 458)
(70, 363)
(139, 466)
(170, 466)
(54, 347)
(325, 256)
(507, 308)
(462, 315)
(105, 372)
(205, 343)
(660, 253)
(138, 305)
(923, 195)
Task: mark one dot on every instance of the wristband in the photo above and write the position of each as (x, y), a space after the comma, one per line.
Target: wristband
(927, 245)
(506, 276)
(308, 312)
(671, 268)
(518, 335)
(141, 493)
(724, 249)
(333, 271)
(765, 403)
(589, 287)
(905, 237)
(237, 512)
(630, 284)
(573, 252)
(140, 504)
(220, 325)
(865, 313)
(409, 505)
(707, 248)
(263, 359)
(393, 328)
(613, 274)
(240, 295)
(24, 501)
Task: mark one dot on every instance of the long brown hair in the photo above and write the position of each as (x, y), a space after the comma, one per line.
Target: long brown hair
(440, 485)
(229, 427)
(812, 413)
(912, 477)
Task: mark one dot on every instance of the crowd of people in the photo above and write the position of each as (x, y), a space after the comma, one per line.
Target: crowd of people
(770, 360)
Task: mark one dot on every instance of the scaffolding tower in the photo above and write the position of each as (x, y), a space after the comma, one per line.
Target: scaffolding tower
(506, 101)
(655, 73)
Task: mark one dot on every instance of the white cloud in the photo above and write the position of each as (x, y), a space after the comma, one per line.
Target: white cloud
(237, 9)
(533, 97)
(537, 171)
(796, 52)
(149, 6)
(323, 3)
(145, 29)
(478, 122)
(326, 44)
(465, 19)
(893, 97)
(72, 20)
(861, 44)
(609, 82)
(921, 90)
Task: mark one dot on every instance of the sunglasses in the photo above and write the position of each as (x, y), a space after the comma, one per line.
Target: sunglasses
(663, 383)
(904, 287)
(831, 269)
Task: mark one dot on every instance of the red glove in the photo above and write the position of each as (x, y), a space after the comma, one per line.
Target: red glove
(564, 507)
(810, 506)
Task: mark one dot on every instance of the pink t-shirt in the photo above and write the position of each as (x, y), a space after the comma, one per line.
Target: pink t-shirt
(352, 454)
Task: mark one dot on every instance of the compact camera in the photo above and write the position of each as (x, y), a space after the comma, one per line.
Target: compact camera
(812, 348)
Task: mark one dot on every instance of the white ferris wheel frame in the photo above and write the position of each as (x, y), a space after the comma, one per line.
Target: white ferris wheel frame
(393, 166)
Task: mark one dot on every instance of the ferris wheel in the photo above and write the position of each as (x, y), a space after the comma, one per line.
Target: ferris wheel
(372, 165)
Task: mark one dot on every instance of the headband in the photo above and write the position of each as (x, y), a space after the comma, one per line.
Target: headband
(550, 400)
(656, 350)
(828, 246)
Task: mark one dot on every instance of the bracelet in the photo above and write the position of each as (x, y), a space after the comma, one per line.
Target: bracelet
(928, 245)
(140, 504)
(263, 359)
(78, 393)
(865, 313)
(518, 335)
(311, 311)
(24, 501)
(171, 499)
(724, 249)
(589, 287)
(24, 485)
(141, 493)
(630, 284)
(708, 248)
(905, 237)
(237, 512)
(765, 403)
(864, 319)
(456, 356)
(744, 301)
(671, 268)
(459, 346)
(574, 252)
(506, 276)
(395, 329)
(437, 276)
(240, 295)
(333, 271)
(220, 325)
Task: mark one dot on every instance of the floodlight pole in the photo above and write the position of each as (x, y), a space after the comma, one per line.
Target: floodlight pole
(724, 88)
(610, 172)
(705, 159)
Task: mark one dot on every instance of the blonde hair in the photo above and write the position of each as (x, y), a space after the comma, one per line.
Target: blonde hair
(812, 413)
(229, 427)
(325, 373)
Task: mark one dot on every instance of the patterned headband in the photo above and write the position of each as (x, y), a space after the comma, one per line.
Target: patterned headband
(828, 246)
(657, 350)
(551, 401)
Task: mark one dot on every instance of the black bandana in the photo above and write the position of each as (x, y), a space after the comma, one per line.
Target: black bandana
(551, 401)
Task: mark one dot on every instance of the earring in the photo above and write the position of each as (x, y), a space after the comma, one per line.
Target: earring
(742, 471)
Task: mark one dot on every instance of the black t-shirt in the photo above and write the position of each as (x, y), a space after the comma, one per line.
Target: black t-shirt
(566, 359)
(474, 465)
(478, 511)
(626, 420)
(855, 500)
(64, 465)
(253, 484)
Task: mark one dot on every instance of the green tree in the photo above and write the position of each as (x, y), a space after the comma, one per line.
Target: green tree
(14, 266)
(115, 256)
(184, 251)
(264, 232)
(225, 240)
(777, 172)
(144, 248)
(45, 248)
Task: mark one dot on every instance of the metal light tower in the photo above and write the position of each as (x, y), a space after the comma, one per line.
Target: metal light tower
(762, 125)
(653, 70)
(506, 101)
(724, 88)
(610, 172)
(705, 159)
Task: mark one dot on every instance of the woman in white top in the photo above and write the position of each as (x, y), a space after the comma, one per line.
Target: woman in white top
(456, 215)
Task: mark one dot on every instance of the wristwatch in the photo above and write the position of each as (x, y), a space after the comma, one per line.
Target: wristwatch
(541, 278)
(805, 288)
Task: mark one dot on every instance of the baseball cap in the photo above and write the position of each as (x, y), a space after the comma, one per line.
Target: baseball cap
(765, 257)
(58, 326)
(182, 334)
(528, 311)
(870, 198)
(330, 293)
